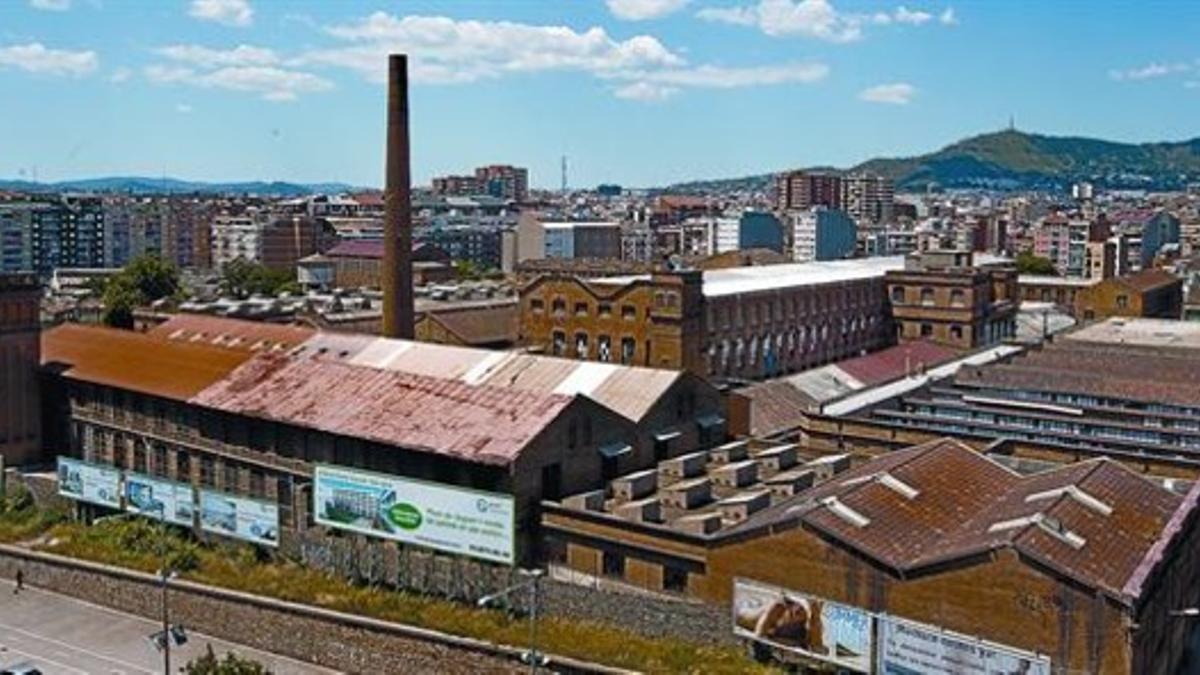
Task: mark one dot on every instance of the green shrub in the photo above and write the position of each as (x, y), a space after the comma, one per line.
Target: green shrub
(232, 664)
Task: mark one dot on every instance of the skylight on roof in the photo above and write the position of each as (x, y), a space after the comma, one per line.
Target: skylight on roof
(1075, 493)
(837, 508)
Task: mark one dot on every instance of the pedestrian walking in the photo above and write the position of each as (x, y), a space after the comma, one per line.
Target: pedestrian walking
(20, 582)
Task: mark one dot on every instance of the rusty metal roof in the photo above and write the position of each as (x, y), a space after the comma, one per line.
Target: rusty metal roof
(629, 390)
(135, 361)
(1096, 522)
(252, 336)
(447, 417)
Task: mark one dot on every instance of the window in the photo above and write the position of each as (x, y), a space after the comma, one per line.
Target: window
(581, 309)
(628, 312)
(674, 579)
(558, 343)
(183, 467)
(628, 347)
(604, 348)
(613, 564)
(956, 331)
(258, 484)
(926, 330)
(581, 345)
(559, 307)
(208, 473)
(926, 296)
(604, 309)
(552, 482)
(537, 305)
(958, 298)
(230, 477)
(1122, 301)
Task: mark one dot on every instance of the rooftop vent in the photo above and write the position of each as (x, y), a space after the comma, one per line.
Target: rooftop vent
(1075, 493)
(837, 508)
(887, 480)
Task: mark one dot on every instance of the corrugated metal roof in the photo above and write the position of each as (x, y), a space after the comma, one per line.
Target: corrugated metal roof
(138, 362)
(475, 423)
(1094, 521)
(629, 390)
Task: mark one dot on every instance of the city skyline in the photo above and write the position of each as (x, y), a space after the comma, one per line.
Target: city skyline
(638, 92)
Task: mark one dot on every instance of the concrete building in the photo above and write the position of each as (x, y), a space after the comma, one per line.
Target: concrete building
(801, 190)
(41, 236)
(276, 242)
(941, 296)
(822, 234)
(759, 229)
(868, 198)
(504, 181)
(20, 403)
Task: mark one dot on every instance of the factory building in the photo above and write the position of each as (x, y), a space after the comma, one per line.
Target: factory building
(20, 326)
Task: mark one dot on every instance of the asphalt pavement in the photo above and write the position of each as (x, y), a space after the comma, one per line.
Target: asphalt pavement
(64, 636)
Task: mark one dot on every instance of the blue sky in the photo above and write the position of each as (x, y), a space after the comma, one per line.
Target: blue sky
(638, 92)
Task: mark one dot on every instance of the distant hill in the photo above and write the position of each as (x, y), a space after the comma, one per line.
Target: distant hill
(1014, 160)
(158, 186)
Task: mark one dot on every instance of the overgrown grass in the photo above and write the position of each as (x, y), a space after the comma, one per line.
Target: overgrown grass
(21, 519)
(138, 544)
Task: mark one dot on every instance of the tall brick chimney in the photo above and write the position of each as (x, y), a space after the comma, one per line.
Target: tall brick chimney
(397, 226)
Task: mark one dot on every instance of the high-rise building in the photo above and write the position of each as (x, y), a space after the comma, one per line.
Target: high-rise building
(800, 190)
(44, 235)
(504, 181)
(822, 234)
(456, 186)
(868, 198)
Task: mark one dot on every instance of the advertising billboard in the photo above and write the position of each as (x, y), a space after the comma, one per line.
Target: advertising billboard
(86, 482)
(909, 648)
(249, 519)
(443, 517)
(158, 498)
(808, 626)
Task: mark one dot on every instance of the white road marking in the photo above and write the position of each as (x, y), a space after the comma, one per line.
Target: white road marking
(74, 648)
(37, 659)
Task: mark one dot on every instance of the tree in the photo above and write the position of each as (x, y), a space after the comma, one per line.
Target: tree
(1029, 263)
(145, 279)
(232, 664)
(242, 278)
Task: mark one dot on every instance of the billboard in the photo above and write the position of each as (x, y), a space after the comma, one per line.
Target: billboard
(812, 627)
(158, 498)
(250, 519)
(86, 482)
(443, 517)
(909, 648)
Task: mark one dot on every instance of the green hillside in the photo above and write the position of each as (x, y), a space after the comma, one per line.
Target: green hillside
(1012, 160)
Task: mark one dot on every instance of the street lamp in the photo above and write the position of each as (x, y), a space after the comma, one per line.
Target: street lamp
(1186, 612)
(169, 633)
(533, 583)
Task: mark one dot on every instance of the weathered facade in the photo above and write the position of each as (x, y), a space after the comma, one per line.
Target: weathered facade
(20, 425)
(1149, 293)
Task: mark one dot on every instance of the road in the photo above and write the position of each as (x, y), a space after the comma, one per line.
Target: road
(64, 636)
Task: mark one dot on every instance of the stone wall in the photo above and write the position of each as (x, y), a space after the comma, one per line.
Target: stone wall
(332, 639)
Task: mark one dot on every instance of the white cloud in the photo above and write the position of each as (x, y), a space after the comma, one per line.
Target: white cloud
(1149, 71)
(51, 5)
(1191, 84)
(269, 82)
(228, 12)
(897, 93)
(183, 108)
(947, 17)
(641, 10)
(120, 75)
(645, 91)
(448, 51)
(659, 85)
(817, 19)
(242, 55)
(911, 17)
(36, 58)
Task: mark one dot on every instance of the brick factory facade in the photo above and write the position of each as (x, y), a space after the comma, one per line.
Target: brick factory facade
(744, 323)
(1078, 566)
(249, 409)
(942, 297)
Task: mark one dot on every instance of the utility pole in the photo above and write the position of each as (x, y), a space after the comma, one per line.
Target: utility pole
(166, 617)
(533, 585)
